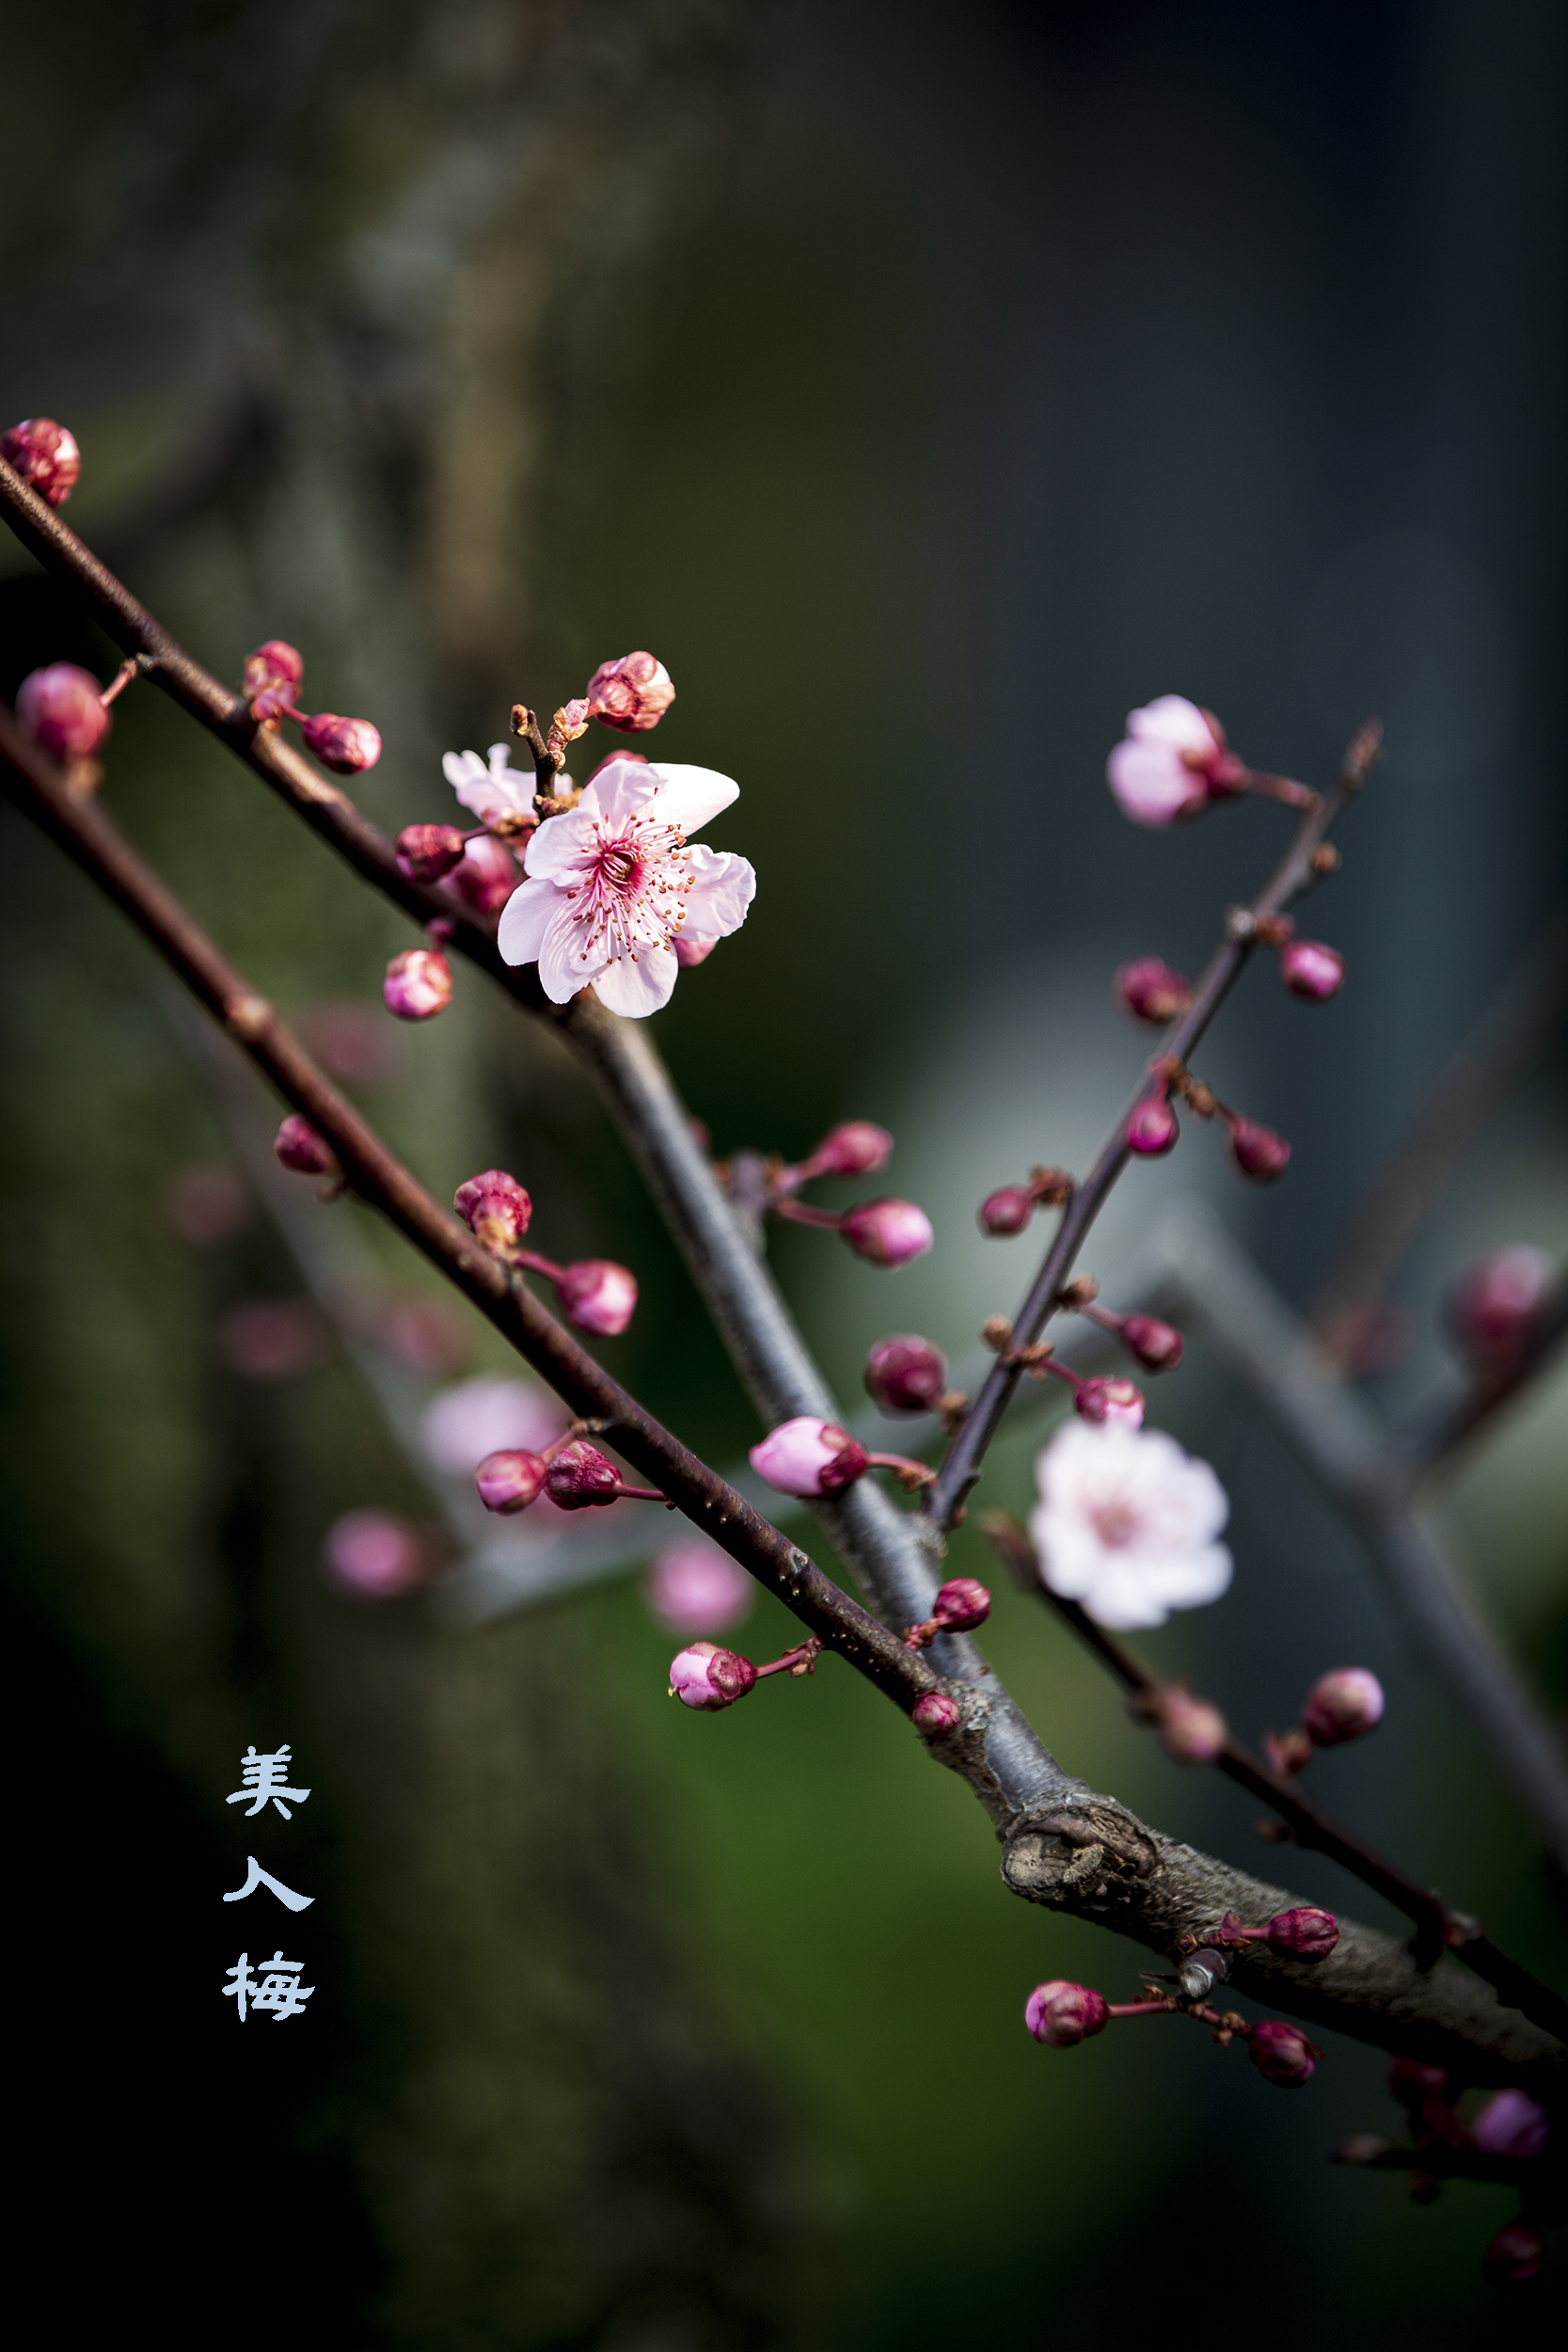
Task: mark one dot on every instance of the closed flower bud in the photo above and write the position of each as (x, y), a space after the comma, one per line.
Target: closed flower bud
(598, 1295)
(299, 1147)
(1158, 1347)
(906, 1375)
(631, 695)
(495, 1208)
(485, 875)
(855, 1147)
(580, 1477)
(1304, 1934)
(1190, 1730)
(1152, 1129)
(1008, 1211)
(1514, 2255)
(1059, 2013)
(1311, 970)
(61, 707)
(345, 745)
(705, 1677)
(1117, 1402)
(961, 1605)
(1152, 989)
(887, 1233)
(1492, 1307)
(1282, 2053)
(418, 984)
(272, 679)
(426, 853)
(510, 1479)
(1258, 1151)
(809, 1457)
(934, 1712)
(1342, 1704)
(45, 455)
(1512, 2123)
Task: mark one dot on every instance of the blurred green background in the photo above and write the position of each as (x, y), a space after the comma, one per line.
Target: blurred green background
(924, 385)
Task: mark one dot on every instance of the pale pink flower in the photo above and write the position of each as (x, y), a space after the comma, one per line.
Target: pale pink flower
(1170, 762)
(475, 1418)
(809, 1457)
(374, 1555)
(611, 884)
(693, 1587)
(1128, 1524)
(495, 791)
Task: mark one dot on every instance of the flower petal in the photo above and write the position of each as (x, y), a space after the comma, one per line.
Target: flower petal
(1172, 719)
(485, 792)
(525, 918)
(721, 887)
(566, 964)
(560, 844)
(619, 789)
(639, 985)
(689, 797)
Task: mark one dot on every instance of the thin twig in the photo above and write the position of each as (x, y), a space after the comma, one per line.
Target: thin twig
(1455, 1427)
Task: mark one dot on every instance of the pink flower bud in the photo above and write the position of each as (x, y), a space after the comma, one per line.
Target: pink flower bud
(510, 1479)
(906, 1375)
(1190, 1730)
(494, 1207)
(809, 1457)
(418, 984)
(1060, 2013)
(887, 1233)
(299, 1147)
(1171, 762)
(1258, 1151)
(961, 1605)
(1151, 990)
(485, 875)
(1304, 1934)
(209, 1203)
(1311, 970)
(1412, 2082)
(597, 1294)
(1282, 2053)
(270, 1340)
(345, 745)
(934, 1712)
(1514, 2255)
(693, 1587)
(1158, 1347)
(272, 679)
(705, 1677)
(692, 948)
(580, 1477)
(61, 709)
(631, 695)
(855, 1147)
(426, 853)
(1493, 1305)
(374, 1555)
(45, 455)
(1008, 1211)
(1152, 1129)
(1120, 1403)
(1512, 2123)
(1342, 1704)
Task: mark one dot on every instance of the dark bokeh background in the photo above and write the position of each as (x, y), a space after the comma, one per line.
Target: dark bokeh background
(926, 385)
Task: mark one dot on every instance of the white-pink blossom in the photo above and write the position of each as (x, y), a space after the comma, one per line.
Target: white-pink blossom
(494, 791)
(693, 1587)
(474, 1418)
(1170, 760)
(1128, 1524)
(611, 884)
(809, 1455)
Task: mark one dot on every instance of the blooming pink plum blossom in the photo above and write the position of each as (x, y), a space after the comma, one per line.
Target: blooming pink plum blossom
(693, 1587)
(613, 884)
(45, 454)
(597, 1294)
(374, 1555)
(498, 793)
(1128, 1524)
(465, 1422)
(62, 709)
(1171, 762)
(809, 1457)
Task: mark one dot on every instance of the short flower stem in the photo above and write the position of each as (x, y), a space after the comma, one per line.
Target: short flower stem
(120, 681)
(801, 1213)
(911, 1476)
(1159, 2005)
(802, 1661)
(1282, 788)
(532, 1262)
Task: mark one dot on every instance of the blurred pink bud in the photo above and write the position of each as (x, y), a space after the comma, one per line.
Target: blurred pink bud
(1151, 990)
(961, 1605)
(1120, 1403)
(1190, 1730)
(1282, 2053)
(1491, 1308)
(1512, 2123)
(272, 679)
(597, 1294)
(428, 1333)
(1008, 1211)
(1158, 1347)
(1171, 762)
(1060, 2013)
(906, 1375)
(934, 1712)
(61, 709)
(511, 1479)
(426, 853)
(693, 1587)
(809, 1457)
(1309, 969)
(580, 1477)
(706, 1677)
(1152, 1128)
(484, 1416)
(1412, 2082)
(1258, 1151)
(692, 948)
(631, 695)
(1303, 1932)
(495, 1208)
(374, 1555)
(854, 1148)
(1342, 1704)
(887, 1233)
(300, 1147)
(345, 745)
(346, 1038)
(487, 875)
(45, 455)
(1514, 2255)
(270, 1340)
(418, 984)
(209, 1203)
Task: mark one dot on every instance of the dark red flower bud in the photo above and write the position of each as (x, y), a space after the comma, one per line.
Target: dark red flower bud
(298, 1146)
(934, 1712)
(1158, 1347)
(1514, 2255)
(906, 1375)
(418, 984)
(1060, 2013)
(888, 1232)
(1152, 989)
(580, 1476)
(1492, 1307)
(1258, 1151)
(1282, 2053)
(1007, 1212)
(62, 709)
(854, 1148)
(426, 853)
(271, 679)
(961, 1605)
(345, 745)
(495, 1208)
(485, 875)
(510, 1479)
(631, 695)
(45, 455)
(1344, 1704)
(1304, 1934)
(1311, 970)
(1152, 1129)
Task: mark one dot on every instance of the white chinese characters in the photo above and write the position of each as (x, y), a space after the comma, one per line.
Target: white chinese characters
(263, 1777)
(277, 1989)
(274, 1985)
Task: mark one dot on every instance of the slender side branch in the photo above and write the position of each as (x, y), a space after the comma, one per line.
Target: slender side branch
(1455, 1427)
